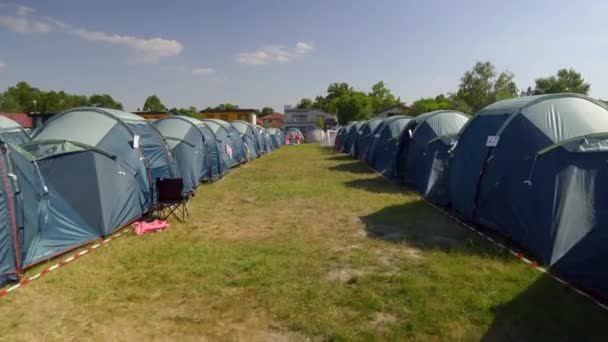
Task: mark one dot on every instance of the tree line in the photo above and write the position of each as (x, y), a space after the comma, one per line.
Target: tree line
(22, 97)
(478, 87)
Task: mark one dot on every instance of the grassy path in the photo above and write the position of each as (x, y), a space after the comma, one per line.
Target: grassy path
(302, 244)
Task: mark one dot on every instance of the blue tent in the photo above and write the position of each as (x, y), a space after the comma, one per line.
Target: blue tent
(248, 135)
(349, 141)
(277, 137)
(11, 132)
(414, 142)
(59, 196)
(534, 169)
(190, 149)
(129, 137)
(364, 137)
(382, 155)
(434, 166)
(226, 143)
(341, 136)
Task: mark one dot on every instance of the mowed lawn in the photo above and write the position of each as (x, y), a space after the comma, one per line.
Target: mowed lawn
(302, 244)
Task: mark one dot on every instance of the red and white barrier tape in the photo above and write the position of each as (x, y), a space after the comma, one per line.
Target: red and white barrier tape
(519, 256)
(63, 262)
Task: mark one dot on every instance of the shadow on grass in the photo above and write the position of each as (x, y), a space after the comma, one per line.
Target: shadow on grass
(421, 226)
(548, 311)
(375, 185)
(355, 167)
(341, 157)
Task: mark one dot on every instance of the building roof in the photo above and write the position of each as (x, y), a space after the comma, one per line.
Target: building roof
(401, 105)
(273, 116)
(21, 118)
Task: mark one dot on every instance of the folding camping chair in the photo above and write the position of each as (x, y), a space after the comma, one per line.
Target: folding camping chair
(171, 200)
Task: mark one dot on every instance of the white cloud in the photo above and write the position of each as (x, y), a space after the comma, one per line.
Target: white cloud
(269, 54)
(303, 48)
(2, 65)
(22, 23)
(203, 71)
(273, 54)
(146, 50)
(24, 11)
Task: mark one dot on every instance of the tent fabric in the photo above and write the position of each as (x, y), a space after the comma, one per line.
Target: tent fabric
(218, 164)
(315, 135)
(52, 215)
(351, 135)
(224, 141)
(543, 184)
(415, 139)
(248, 136)
(434, 167)
(342, 132)
(261, 139)
(364, 137)
(101, 129)
(189, 149)
(276, 136)
(12, 133)
(382, 155)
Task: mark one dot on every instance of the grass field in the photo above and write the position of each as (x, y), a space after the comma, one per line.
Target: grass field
(302, 244)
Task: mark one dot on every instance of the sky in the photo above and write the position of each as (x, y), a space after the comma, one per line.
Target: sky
(274, 52)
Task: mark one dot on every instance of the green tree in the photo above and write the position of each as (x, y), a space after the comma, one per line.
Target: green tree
(566, 81)
(430, 104)
(305, 103)
(190, 111)
(153, 103)
(22, 96)
(266, 111)
(224, 106)
(382, 97)
(9, 104)
(320, 122)
(482, 86)
(351, 106)
(104, 101)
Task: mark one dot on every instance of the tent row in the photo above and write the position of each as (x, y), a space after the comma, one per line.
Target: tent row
(534, 169)
(90, 171)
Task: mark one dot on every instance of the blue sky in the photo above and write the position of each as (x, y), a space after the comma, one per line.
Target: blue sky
(258, 53)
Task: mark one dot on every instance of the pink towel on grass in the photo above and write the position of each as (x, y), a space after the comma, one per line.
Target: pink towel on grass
(142, 228)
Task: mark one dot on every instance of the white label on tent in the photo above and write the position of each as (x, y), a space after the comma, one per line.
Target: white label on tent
(492, 140)
(136, 141)
(409, 131)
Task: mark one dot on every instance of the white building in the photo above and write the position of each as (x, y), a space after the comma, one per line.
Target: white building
(399, 109)
(305, 119)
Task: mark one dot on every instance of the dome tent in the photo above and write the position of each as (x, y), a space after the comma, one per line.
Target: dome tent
(61, 195)
(277, 136)
(342, 132)
(11, 132)
(189, 148)
(262, 140)
(132, 139)
(218, 164)
(315, 135)
(434, 166)
(226, 144)
(267, 140)
(349, 141)
(247, 134)
(414, 142)
(234, 137)
(365, 136)
(536, 168)
(382, 155)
